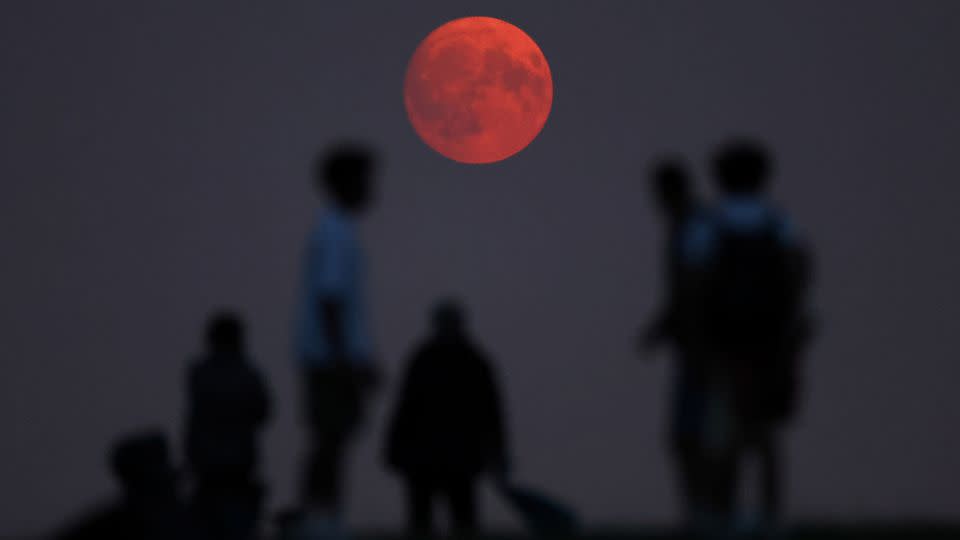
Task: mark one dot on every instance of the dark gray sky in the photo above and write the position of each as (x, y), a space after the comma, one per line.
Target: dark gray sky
(155, 166)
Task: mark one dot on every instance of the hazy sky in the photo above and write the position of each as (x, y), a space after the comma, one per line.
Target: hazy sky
(155, 166)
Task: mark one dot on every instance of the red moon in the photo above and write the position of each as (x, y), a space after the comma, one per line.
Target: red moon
(478, 90)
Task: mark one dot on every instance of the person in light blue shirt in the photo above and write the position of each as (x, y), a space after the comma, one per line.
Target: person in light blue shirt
(334, 270)
(333, 345)
(744, 264)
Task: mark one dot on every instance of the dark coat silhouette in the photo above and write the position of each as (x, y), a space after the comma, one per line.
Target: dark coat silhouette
(448, 421)
(228, 405)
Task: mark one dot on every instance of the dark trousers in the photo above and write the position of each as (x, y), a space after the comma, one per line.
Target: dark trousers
(763, 444)
(227, 509)
(686, 438)
(691, 477)
(332, 402)
(459, 495)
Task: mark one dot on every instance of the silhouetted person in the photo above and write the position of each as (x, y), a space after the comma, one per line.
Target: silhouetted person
(447, 428)
(333, 342)
(227, 407)
(746, 296)
(149, 508)
(677, 204)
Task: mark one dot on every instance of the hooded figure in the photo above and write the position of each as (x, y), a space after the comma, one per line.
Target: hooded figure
(447, 427)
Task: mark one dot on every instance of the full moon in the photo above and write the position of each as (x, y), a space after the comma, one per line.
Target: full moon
(478, 90)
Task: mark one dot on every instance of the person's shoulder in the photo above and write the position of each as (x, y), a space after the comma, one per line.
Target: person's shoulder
(421, 352)
(254, 377)
(334, 226)
(783, 225)
(697, 233)
(198, 365)
(478, 356)
(477, 351)
(700, 218)
(200, 374)
(324, 222)
(317, 229)
(247, 364)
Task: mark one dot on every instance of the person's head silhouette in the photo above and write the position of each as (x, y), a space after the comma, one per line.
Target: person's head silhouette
(345, 173)
(671, 187)
(225, 333)
(742, 167)
(142, 465)
(449, 320)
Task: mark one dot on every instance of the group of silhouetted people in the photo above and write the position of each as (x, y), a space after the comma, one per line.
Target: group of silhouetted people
(448, 428)
(735, 316)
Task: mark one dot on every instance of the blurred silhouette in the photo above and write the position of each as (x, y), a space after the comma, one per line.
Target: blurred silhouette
(745, 286)
(678, 205)
(333, 343)
(149, 508)
(447, 427)
(227, 407)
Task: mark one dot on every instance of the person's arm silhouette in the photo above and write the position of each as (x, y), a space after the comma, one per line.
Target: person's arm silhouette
(654, 335)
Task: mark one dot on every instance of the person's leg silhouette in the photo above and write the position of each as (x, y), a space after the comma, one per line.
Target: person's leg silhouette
(420, 493)
(463, 506)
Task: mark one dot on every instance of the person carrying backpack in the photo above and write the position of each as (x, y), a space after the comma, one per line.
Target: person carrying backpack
(746, 274)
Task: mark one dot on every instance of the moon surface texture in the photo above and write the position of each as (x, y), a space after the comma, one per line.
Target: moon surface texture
(478, 90)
